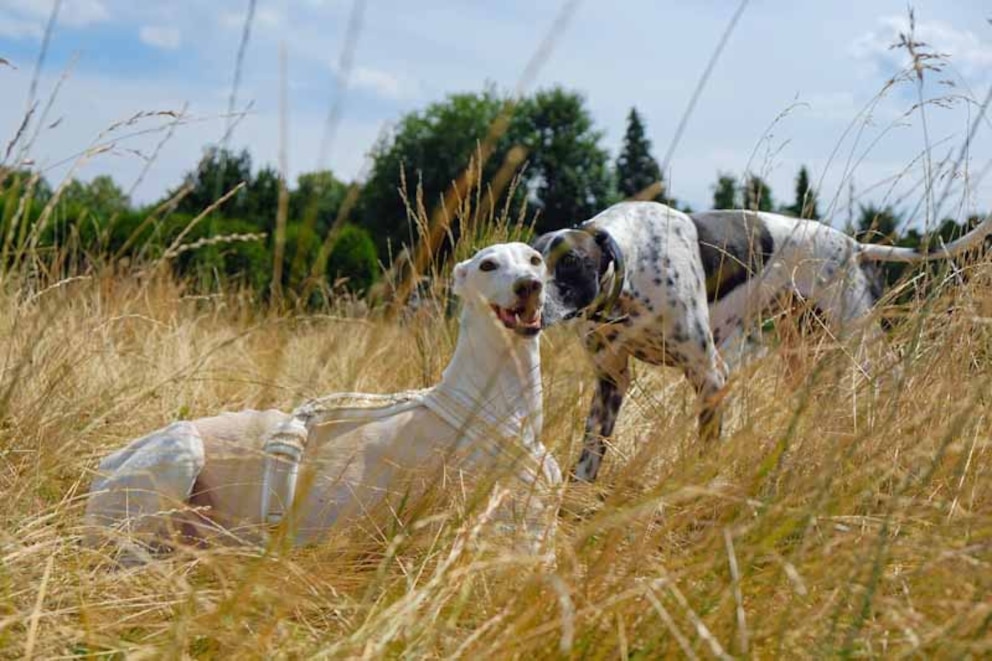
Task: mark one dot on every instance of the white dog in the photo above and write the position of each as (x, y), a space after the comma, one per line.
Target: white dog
(237, 475)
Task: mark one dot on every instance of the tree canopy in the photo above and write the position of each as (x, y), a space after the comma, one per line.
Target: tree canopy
(636, 168)
(346, 232)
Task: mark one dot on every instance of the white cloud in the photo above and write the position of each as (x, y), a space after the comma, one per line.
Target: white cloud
(160, 36)
(27, 18)
(267, 20)
(966, 51)
(13, 27)
(80, 13)
(382, 83)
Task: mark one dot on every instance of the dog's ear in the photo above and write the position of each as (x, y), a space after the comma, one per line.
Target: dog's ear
(611, 265)
(458, 277)
(540, 243)
(610, 254)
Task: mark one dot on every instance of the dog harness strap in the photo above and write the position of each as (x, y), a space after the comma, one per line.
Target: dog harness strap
(283, 452)
(284, 449)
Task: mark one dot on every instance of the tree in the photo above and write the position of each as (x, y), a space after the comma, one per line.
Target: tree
(757, 194)
(636, 167)
(101, 197)
(430, 149)
(877, 224)
(87, 212)
(217, 173)
(261, 201)
(569, 169)
(725, 193)
(754, 195)
(320, 194)
(566, 173)
(805, 205)
(353, 257)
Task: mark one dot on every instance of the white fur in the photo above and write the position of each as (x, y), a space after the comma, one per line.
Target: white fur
(360, 453)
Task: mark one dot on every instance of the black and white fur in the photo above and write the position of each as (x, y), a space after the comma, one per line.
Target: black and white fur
(668, 288)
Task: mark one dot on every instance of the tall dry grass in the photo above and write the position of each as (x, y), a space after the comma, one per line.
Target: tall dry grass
(839, 515)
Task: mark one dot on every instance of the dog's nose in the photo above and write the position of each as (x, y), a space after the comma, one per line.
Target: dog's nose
(527, 287)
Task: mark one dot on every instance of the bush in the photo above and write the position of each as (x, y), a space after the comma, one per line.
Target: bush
(353, 257)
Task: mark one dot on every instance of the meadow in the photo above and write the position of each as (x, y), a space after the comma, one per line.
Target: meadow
(845, 512)
(841, 514)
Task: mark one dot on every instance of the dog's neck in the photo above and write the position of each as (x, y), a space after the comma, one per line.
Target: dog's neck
(496, 370)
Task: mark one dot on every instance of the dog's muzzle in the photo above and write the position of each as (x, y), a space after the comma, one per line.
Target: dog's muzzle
(525, 317)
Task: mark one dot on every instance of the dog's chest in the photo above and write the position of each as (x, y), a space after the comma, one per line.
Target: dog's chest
(635, 327)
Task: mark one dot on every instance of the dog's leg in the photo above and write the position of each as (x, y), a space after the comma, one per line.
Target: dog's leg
(847, 306)
(709, 389)
(613, 379)
(140, 488)
(707, 372)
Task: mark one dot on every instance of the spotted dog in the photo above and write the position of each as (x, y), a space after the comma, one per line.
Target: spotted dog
(648, 281)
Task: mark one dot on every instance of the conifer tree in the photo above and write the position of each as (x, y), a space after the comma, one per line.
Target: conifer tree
(636, 167)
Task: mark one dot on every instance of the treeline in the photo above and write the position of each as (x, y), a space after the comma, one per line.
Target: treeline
(229, 222)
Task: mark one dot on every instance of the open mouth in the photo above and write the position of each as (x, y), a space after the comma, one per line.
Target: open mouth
(520, 319)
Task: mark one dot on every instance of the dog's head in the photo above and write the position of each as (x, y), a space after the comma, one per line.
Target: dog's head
(584, 267)
(509, 279)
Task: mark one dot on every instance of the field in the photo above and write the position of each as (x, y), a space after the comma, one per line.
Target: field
(839, 516)
(845, 512)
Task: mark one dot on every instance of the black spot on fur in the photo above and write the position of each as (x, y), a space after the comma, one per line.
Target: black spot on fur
(875, 276)
(733, 247)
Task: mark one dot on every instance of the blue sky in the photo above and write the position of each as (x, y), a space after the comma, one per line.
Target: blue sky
(792, 82)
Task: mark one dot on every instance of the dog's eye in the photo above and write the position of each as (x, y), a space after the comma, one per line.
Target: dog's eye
(535, 260)
(488, 265)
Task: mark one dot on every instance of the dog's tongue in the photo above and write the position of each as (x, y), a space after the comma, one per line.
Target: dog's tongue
(507, 316)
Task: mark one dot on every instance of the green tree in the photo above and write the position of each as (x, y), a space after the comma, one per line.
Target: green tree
(320, 194)
(877, 224)
(23, 196)
(725, 193)
(85, 214)
(101, 197)
(805, 204)
(353, 257)
(566, 171)
(431, 149)
(636, 168)
(261, 201)
(569, 169)
(757, 194)
(218, 172)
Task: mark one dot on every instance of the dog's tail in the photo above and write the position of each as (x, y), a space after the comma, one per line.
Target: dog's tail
(973, 239)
